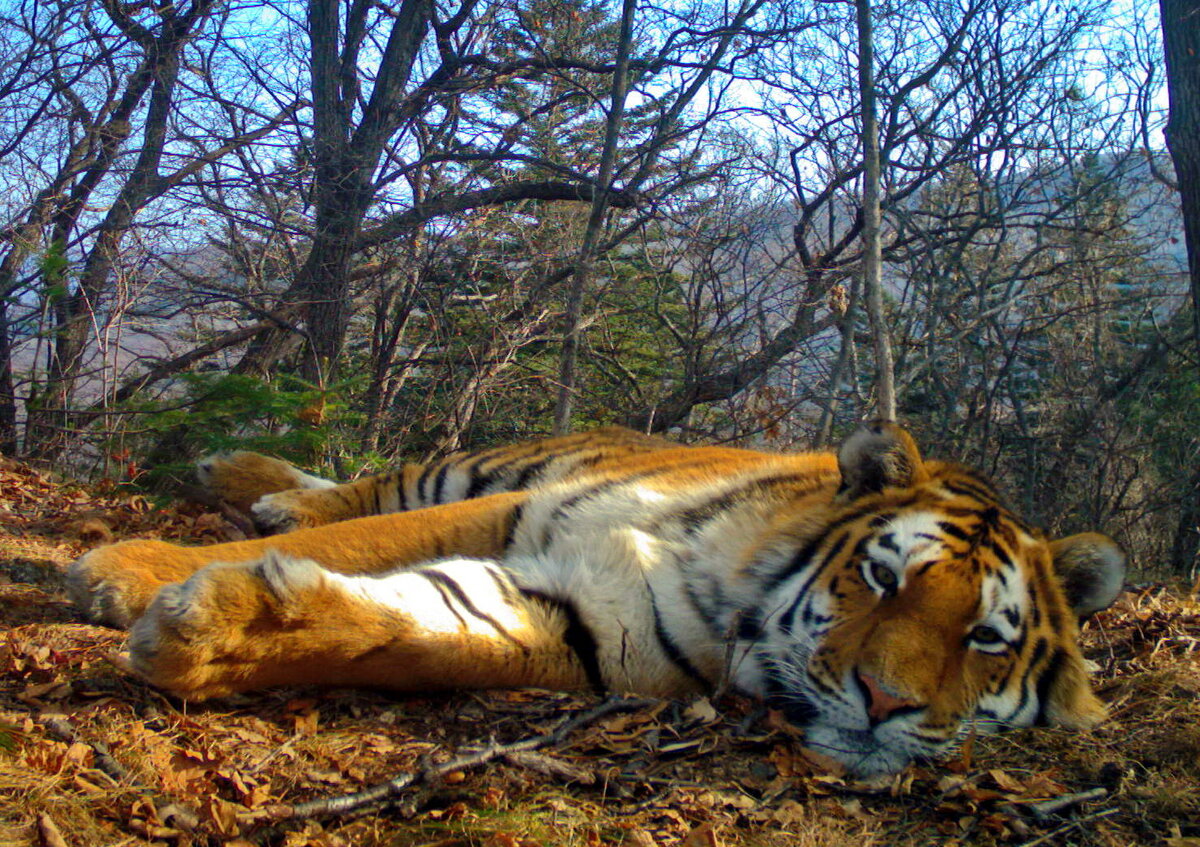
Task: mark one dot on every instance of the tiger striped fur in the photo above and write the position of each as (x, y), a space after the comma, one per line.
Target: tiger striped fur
(889, 604)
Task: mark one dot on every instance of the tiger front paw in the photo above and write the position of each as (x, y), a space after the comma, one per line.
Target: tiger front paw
(236, 627)
(114, 584)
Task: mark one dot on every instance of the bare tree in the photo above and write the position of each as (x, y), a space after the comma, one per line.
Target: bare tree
(872, 254)
(591, 235)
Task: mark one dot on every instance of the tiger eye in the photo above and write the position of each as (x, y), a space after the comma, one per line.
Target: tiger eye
(884, 577)
(984, 634)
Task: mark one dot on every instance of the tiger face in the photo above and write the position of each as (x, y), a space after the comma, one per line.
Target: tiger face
(918, 609)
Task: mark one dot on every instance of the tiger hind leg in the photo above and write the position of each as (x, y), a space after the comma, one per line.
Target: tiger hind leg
(301, 508)
(241, 478)
(459, 623)
(282, 498)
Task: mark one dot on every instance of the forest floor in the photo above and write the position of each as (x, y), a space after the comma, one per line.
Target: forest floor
(90, 756)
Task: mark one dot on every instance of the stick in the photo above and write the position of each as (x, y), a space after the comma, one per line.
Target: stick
(104, 760)
(49, 832)
(1054, 833)
(1046, 808)
(345, 803)
(179, 815)
(550, 766)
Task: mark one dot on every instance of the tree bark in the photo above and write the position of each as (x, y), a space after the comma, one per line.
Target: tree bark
(591, 236)
(872, 258)
(1181, 46)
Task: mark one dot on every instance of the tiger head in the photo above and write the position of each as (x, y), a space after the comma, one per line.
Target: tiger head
(916, 609)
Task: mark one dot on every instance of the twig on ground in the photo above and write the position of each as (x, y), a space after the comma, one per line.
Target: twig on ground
(48, 832)
(1046, 808)
(63, 731)
(1067, 827)
(346, 803)
(180, 816)
(550, 766)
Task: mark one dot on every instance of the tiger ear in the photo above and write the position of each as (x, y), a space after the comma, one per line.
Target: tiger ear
(876, 456)
(1091, 568)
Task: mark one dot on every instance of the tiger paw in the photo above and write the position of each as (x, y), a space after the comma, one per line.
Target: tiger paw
(286, 511)
(242, 477)
(114, 584)
(236, 627)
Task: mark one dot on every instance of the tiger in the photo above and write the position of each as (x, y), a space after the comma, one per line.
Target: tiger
(887, 604)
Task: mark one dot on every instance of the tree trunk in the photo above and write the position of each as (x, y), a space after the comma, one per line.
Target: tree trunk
(1181, 45)
(8, 394)
(848, 308)
(1187, 530)
(75, 314)
(591, 236)
(872, 259)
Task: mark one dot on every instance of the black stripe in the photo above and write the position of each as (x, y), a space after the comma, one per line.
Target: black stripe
(517, 454)
(477, 484)
(694, 517)
(503, 584)
(441, 589)
(426, 471)
(953, 531)
(514, 519)
(815, 679)
(970, 489)
(672, 650)
(577, 637)
(1046, 682)
(888, 542)
(468, 604)
(749, 626)
(534, 468)
(439, 482)
(716, 597)
(1039, 652)
(801, 560)
(789, 617)
(487, 480)
(589, 493)
(1054, 617)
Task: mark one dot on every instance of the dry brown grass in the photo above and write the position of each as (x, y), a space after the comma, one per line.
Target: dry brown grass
(645, 778)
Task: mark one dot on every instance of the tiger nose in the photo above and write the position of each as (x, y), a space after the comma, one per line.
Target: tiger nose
(881, 704)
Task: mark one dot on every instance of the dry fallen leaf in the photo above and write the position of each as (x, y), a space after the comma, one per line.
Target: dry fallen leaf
(701, 711)
(702, 836)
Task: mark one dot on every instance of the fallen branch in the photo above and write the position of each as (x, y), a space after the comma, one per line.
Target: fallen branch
(347, 803)
(49, 833)
(179, 816)
(1067, 827)
(1046, 808)
(551, 767)
(105, 763)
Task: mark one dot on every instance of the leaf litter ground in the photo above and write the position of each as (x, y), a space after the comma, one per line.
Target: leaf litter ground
(90, 756)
